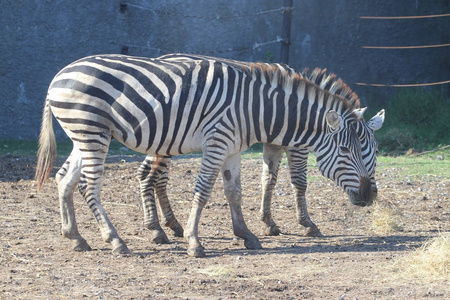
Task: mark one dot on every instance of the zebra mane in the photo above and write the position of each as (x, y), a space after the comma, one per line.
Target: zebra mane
(331, 83)
(278, 74)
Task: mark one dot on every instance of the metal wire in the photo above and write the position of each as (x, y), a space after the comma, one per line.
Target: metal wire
(404, 17)
(402, 85)
(406, 47)
(256, 45)
(217, 17)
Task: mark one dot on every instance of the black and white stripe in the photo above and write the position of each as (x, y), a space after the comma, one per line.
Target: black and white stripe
(167, 107)
(297, 158)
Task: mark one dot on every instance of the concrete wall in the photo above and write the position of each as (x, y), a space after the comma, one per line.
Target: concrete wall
(38, 38)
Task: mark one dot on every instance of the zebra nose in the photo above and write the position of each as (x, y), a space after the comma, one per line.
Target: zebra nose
(365, 191)
(373, 194)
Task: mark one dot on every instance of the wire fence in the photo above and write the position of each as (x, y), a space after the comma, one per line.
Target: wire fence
(216, 17)
(259, 44)
(405, 17)
(256, 45)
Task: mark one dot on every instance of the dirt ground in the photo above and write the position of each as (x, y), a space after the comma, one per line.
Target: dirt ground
(350, 262)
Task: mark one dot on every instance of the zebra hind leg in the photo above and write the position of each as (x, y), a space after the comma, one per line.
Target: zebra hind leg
(93, 156)
(271, 162)
(163, 200)
(232, 187)
(149, 174)
(67, 179)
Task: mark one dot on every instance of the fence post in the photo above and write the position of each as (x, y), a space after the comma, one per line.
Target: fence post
(286, 31)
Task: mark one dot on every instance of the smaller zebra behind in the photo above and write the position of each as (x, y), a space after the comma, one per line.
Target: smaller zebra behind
(297, 159)
(164, 108)
(272, 154)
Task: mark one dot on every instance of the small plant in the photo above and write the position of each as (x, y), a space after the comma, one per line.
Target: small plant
(268, 57)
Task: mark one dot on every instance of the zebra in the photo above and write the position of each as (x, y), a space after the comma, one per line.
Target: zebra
(166, 108)
(297, 159)
(272, 154)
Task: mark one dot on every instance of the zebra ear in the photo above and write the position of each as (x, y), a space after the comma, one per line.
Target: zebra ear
(333, 119)
(377, 121)
(359, 112)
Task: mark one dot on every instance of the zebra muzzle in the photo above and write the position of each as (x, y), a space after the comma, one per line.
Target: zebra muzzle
(362, 197)
(364, 193)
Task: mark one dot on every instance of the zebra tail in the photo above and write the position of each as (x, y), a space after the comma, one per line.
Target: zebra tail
(47, 148)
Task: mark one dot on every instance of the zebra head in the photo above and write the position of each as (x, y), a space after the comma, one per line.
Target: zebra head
(339, 157)
(365, 131)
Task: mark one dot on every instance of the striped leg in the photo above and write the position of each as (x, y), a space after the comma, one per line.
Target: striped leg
(298, 160)
(152, 174)
(231, 170)
(209, 170)
(164, 204)
(271, 161)
(93, 160)
(67, 178)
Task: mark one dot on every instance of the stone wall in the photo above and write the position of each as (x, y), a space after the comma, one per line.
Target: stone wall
(41, 37)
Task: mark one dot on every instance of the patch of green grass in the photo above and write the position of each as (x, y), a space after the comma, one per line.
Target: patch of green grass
(434, 164)
(17, 147)
(29, 148)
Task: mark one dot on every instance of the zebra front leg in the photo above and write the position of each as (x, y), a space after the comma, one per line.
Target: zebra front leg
(209, 170)
(67, 179)
(89, 186)
(148, 174)
(164, 204)
(271, 162)
(232, 187)
(298, 161)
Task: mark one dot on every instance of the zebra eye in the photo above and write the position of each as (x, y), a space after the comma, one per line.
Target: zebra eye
(344, 149)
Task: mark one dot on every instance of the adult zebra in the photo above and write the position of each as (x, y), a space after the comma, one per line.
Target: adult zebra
(168, 108)
(297, 160)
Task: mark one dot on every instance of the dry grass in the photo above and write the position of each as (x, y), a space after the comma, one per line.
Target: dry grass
(386, 219)
(215, 271)
(429, 263)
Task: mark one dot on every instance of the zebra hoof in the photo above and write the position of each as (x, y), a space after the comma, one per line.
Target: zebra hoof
(81, 246)
(252, 244)
(196, 252)
(122, 249)
(176, 228)
(272, 231)
(159, 237)
(178, 232)
(313, 232)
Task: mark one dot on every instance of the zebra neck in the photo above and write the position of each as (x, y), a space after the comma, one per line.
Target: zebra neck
(293, 114)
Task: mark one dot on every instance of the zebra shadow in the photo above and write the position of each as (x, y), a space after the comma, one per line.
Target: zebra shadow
(223, 246)
(329, 244)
